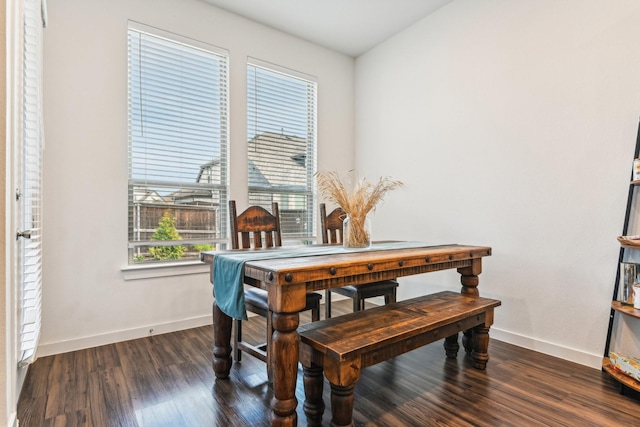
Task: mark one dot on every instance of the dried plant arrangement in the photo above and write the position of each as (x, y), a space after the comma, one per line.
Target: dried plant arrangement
(357, 202)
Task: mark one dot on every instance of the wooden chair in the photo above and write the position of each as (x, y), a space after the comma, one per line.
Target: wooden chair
(331, 226)
(257, 228)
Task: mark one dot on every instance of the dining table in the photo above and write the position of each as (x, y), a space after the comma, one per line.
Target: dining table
(288, 273)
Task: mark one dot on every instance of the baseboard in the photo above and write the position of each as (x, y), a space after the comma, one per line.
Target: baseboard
(47, 349)
(570, 354)
(13, 420)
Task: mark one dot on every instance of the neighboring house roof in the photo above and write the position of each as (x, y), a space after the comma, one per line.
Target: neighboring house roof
(274, 160)
(191, 197)
(147, 196)
(256, 178)
(277, 160)
(208, 171)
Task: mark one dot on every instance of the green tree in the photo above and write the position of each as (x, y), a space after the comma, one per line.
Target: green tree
(166, 231)
(202, 248)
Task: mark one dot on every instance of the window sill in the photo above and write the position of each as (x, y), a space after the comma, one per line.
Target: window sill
(136, 272)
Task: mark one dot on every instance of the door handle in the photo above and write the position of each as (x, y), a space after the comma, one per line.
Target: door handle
(25, 234)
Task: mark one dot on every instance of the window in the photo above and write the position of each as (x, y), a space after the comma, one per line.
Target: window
(29, 180)
(281, 138)
(178, 137)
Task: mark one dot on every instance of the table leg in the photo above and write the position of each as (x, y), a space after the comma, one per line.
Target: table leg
(221, 343)
(469, 277)
(470, 281)
(284, 365)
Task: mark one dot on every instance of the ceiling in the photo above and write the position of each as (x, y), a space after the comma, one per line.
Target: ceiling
(348, 26)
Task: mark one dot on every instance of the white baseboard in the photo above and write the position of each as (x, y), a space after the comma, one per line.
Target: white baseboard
(570, 354)
(13, 420)
(47, 349)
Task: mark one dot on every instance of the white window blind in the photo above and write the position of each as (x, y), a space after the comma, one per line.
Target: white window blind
(30, 178)
(178, 137)
(281, 132)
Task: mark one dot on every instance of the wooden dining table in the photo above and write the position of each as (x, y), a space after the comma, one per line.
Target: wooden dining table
(287, 280)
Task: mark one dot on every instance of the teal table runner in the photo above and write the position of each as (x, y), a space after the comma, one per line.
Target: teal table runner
(228, 268)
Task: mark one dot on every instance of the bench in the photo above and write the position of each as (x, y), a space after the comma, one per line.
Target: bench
(342, 346)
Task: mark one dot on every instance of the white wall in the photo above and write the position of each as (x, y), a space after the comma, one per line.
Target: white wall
(86, 300)
(512, 125)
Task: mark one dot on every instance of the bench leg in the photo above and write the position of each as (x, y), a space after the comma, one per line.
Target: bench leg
(467, 341)
(342, 405)
(451, 346)
(313, 403)
(480, 353)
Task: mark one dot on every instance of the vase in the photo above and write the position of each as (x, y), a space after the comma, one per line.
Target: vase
(630, 277)
(356, 232)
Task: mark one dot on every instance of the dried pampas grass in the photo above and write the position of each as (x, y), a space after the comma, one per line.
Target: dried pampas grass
(357, 202)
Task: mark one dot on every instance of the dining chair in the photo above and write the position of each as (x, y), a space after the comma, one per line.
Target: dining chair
(257, 228)
(331, 226)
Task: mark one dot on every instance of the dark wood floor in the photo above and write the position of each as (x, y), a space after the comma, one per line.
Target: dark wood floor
(166, 380)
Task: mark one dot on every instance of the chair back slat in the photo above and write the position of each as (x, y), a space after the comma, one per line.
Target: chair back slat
(255, 227)
(331, 224)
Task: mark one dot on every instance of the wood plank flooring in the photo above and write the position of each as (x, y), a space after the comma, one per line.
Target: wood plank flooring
(167, 380)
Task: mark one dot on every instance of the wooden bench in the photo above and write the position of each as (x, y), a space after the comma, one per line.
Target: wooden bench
(343, 346)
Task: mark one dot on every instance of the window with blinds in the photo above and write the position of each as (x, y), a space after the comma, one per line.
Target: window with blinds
(281, 138)
(29, 195)
(178, 138)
